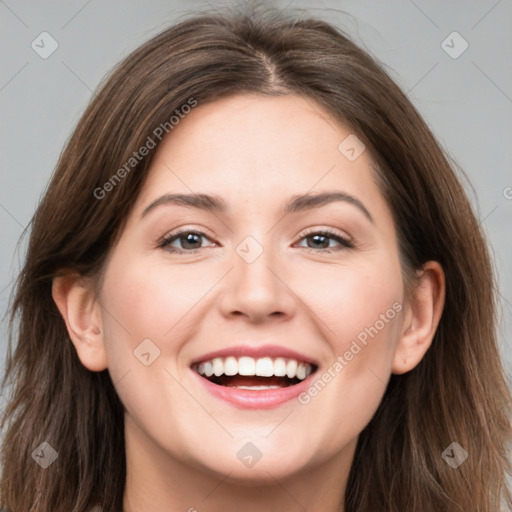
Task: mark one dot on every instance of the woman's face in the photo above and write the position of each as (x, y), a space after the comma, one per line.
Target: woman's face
(256, 286)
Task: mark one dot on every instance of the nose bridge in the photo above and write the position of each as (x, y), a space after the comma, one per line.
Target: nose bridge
(255, 287)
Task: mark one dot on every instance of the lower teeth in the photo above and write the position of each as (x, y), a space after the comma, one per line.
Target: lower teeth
(256, 388)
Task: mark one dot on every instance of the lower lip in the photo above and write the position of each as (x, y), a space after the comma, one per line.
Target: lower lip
(257, 399)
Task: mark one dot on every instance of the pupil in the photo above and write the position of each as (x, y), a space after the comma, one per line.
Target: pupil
(316, 237)
(189, 239)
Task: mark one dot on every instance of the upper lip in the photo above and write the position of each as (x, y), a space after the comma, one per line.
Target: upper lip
(256, 352)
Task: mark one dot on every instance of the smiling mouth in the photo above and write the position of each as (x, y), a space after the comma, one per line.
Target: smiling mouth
(254, 374)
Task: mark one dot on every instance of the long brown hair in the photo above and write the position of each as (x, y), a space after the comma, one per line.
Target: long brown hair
(457, 393)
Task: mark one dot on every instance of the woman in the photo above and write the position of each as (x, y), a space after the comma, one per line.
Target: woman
(327, 341)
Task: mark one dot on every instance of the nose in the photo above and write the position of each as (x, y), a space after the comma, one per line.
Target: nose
(258, 289)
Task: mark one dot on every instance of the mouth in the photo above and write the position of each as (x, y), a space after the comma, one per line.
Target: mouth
(254, 374)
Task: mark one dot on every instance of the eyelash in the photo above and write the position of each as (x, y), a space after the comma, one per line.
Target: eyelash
(344, 242)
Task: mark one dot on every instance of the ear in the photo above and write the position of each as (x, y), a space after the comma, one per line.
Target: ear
(76, 301)
(422, 315)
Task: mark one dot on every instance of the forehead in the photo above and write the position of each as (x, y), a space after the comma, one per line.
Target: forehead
(261, 150)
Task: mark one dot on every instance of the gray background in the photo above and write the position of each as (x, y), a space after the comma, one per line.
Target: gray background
(467, 101)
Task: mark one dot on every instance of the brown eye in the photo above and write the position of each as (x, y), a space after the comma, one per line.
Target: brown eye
(190, 241)
(321, 240)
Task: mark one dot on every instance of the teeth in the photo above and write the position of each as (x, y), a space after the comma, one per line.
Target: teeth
(280, 367)
(291, 368)
(218, 367)
(208, 369)
(257, 388)
(264, 367)
(248, 366)
(230, 366)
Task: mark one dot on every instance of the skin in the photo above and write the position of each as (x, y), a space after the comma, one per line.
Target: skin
(181, 442)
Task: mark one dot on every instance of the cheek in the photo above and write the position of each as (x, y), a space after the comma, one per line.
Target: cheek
(360, 307)
(156, 301)
(352, 298)
(148, 300)
(146, 321)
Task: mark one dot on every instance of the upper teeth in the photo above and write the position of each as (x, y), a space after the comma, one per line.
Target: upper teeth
(263, 367)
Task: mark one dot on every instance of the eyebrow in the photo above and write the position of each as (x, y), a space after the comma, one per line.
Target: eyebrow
(297, 203)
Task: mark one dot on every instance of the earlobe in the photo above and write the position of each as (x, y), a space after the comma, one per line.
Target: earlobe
(422, 319)
(77, 304)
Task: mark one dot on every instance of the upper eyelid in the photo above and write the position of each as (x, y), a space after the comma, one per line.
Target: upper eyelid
(174, 234)
(167, 238)
(329, 232)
